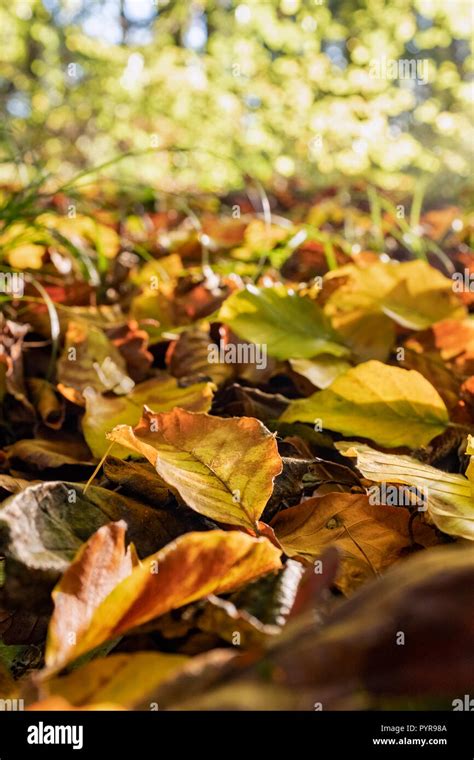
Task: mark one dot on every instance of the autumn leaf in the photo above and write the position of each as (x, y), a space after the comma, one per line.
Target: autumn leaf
(452, 339)
(161, 393)
(47, 401)
(120, 679)
(390, 405)
(321, 371)
(101, 563)
(90, 359)
(449, 496)
(355, 659)
(412, 294)
(43, 527)
(222, 468)
(191, 567)
(138, 478)
(189, 356)
(289, 325)
(43, 454)
(372, 534)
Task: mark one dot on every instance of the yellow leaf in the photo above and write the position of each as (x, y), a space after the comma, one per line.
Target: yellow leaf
(413, 294)
(320, 371)
(121, 679)
(189, 568)
(222, 468)
(390, 405)
(449, 496)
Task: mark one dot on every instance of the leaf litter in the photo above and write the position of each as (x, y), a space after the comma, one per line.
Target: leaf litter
(237, 471)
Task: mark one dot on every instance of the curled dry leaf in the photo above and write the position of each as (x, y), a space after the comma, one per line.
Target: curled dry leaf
(11, 357)
(132, 344)
(190, 568)
(47, 401)
(222, 468)
(101, 563)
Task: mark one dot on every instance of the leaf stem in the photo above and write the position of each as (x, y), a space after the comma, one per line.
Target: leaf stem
(98, 467)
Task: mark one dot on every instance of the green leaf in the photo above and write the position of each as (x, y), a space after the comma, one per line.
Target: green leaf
(289, 325)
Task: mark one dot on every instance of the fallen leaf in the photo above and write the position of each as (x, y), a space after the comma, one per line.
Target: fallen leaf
(412, 294)
(120, 679)
(189, 355)
(161, 393)
(139, 479)
(132, 344)
(191, 567)
(90, 359)
(454, 341)
(390, 405)
(290, 326)
(100, 564)
(320, 371)
(222, 468)
(354, 660)
(43, 526)
(449, 496)
(47, 401)
(372, 534)
(43, 454)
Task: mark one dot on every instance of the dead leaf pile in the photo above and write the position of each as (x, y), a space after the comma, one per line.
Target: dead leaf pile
(237, 462)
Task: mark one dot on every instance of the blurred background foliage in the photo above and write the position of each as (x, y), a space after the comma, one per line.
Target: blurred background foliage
(211, 91)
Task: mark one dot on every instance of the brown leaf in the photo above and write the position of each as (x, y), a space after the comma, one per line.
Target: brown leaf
(98, 567)
(371, 534)
(132, 344)
(47, 401)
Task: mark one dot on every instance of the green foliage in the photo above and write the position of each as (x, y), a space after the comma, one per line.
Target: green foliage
(216, 90)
